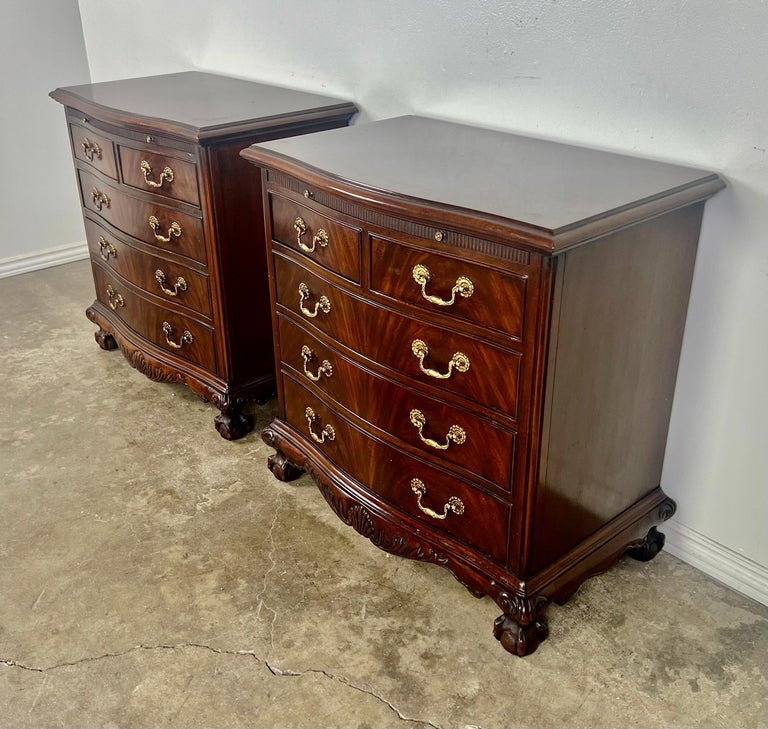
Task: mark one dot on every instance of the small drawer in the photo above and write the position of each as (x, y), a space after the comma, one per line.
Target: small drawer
(441, 430)
(431, 355)
(93, 149)
(179, 335)
(149, 222)
(179, 284)
(160, 173)
(445, 285)
(327, 241)
(436, 500)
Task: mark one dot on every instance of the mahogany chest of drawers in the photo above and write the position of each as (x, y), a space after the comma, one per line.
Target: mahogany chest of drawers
(174, 226)
(477, 344)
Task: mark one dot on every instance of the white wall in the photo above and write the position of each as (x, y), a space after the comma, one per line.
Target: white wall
(684, 82)
(42, 48)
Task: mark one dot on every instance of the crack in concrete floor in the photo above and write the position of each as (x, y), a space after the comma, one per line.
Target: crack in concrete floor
(272, 564)
(274, 670)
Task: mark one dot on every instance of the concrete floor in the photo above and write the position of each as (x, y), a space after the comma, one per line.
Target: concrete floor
(155, 575)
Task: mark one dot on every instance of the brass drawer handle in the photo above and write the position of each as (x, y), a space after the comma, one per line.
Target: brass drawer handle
(325, 368)
(186, 337)
(113, 298)
(106, 249)
(459, 360)
(456, 434)
(174, 230)
(455, 504)
(91, 149)
(327, 433)
(100, 199)
(165, 176)
(180, 285)
(320, 238)
(322, 304)
(463, 286)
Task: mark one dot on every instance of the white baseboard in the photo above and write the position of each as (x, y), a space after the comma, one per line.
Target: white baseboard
(43, 259)
(721, 563)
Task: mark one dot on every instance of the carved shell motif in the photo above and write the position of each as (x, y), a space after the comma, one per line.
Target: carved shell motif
(361, 520)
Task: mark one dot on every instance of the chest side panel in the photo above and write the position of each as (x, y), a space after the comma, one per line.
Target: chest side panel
(612, 371)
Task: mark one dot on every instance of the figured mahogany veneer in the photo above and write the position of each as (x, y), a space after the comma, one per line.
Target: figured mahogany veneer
(140, 167)
(171, 217)
(292, 219)
(490, 390)
(349, 321)
(390, 472)
(153, 273)
(389, 404)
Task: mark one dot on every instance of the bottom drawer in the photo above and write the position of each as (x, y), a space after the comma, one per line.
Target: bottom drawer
(182, 336)
(440, 501)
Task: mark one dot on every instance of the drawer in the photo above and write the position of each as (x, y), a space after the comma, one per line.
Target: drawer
(180, 284)
(93, 149)
(429, 354)
(444, 285)
(477, 519)
(326, 240)
(178, 334)
(421, 422)
(150, 222)
(160, 173)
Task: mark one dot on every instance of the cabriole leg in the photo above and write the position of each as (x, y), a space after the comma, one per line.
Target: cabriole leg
(521, 627)
(104, 339)
(651, 546)
(282, 469)
(232, 423)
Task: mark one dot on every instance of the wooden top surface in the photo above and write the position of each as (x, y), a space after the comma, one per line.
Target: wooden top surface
(551, 189)
(197, 105)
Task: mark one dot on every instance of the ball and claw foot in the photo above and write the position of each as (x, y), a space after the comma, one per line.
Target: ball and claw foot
(104, 339)
(234, 425)
(650, 547)
(282, 469)
(520, 640)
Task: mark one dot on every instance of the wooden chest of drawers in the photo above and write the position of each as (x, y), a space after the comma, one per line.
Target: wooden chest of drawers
(478, 338)
(174, 227)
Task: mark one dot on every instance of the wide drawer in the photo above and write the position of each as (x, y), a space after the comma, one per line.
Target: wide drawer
(429, 354)
(150, 222)
(179, 284)
(93, 149)
(445, 285)
(448, 505)
(180, 335)
(439, 429)
(326, 240)
(160, 173)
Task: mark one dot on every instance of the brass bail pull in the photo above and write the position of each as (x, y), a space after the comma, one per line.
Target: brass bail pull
(459, 361)
(174, 230)
(325, 368)
(456, 434)
(100, 199)
(454, 503)
(186, 337)
(463, 286)
(113, 298)
(106, 249)
(322, 304)
(165, 176)
(327, 433)
(91, 149)
(180, 285)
